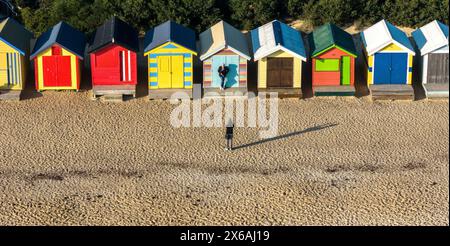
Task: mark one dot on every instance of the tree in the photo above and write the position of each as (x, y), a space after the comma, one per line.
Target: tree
(339, 12)
(295, 8)
(249, 14)
(197, 14)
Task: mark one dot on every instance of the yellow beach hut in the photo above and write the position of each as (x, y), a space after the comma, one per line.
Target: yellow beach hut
(170, 49)
(58, 56)
(279, 51)
(14, 53)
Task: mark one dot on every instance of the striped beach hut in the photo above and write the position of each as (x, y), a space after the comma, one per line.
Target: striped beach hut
(279, 51)
(333, 54)
(224, 44)
(432, 42)
(113, 54)
(57, 57)
(170, 49)
(389, 55)
(14, 54)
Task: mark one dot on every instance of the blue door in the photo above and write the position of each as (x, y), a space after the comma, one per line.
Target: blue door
(390, 68)
(232, 62)
(399, 68)
(382, 74)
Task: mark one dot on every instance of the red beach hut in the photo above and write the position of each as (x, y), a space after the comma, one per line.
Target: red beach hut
(333, 55)
(114, 59)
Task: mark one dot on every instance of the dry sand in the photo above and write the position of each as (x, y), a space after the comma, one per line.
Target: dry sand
(67, 160)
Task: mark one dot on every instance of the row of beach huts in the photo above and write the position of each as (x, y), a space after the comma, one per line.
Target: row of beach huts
(171, 51)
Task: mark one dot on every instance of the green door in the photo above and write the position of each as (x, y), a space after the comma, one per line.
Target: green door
(346, 73)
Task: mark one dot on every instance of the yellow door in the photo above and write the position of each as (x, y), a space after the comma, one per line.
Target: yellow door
(3, 70)
(177, 72)
(164, 73)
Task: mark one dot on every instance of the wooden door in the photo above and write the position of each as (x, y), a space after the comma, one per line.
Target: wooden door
(177, 72)
(438, 69)
(273, 72)
(280, 72)
(286, 72)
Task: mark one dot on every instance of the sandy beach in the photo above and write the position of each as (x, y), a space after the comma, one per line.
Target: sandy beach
(68, 160)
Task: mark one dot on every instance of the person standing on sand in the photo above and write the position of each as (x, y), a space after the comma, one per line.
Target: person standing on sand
(229, 136)
(223, 71)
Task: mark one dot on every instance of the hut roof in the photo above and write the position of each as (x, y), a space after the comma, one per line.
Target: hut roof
(64, 35)
(329, 36)
(382, 34)
(115, 31)
(220, 36)
(15, 35)
(431, 37)
(170, 31)
(276, 36)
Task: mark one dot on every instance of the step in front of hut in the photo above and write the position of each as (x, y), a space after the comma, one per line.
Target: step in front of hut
(10, 95)
(228, 92)
(114, 90)
(392, 92)
(282, 92)
(436, 91)
(334, 91)
(169, 94)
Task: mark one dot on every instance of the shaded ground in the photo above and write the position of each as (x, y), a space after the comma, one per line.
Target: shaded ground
(68, 160)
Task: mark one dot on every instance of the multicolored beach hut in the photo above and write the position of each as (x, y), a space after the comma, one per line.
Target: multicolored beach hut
(224, 44)
(432, 41)
(279, 51)
(14, 53)
(57, 55)
(333, 56)
(170, 48)
(114, 59)
(389, 55)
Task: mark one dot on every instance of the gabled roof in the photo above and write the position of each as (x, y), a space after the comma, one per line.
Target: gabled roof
(220, 36)
(329, 36)
(170, 31)
(63, 35)
(431, 37)
(15, 35)
(115, 31)
(382, 34)
(275, 36)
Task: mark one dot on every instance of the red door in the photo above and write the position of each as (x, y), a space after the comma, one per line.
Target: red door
(64, 71)
(57, 69)
(50, 71)
(105, 66)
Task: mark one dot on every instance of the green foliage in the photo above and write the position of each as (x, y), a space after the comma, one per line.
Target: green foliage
(295, 8)
(249, 14)
(415, 13)
(87, 15)
(197, 14)
(338, 12)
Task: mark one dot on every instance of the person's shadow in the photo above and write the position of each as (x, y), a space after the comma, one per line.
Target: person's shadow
(292, 134)
(232, 79)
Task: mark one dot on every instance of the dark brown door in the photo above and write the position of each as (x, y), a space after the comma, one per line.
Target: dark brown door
(438, 68)
(280, 72)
